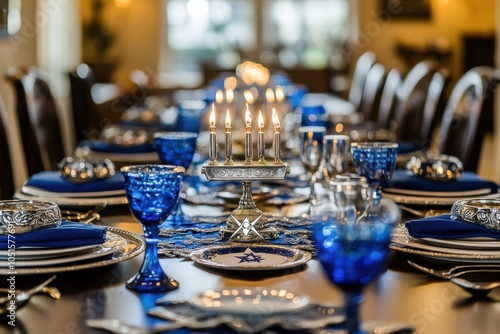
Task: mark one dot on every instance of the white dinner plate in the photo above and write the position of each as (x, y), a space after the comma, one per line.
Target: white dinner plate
(45, 253)
(45, 193)
(250, 257)
(469, 243)
(76, 201)
(431, 200)
(250, 301)
(402, 241)
(129, 246)
(113, 243)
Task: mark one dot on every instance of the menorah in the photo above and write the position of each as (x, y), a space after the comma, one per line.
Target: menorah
(246, 223)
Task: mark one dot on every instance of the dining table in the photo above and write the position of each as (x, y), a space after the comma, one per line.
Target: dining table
(401, 294)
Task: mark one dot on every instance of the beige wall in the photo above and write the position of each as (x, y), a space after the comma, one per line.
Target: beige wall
(451, 20)
(137, 30)
(19, 50)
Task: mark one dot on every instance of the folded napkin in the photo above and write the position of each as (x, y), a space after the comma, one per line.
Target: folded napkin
(67, 234)
(468, 181)
(443, 227)
(405, 147)
(102, 146)
(53, 181)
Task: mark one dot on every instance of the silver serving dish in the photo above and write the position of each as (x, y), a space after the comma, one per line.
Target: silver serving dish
(436, 167)
(483, 211)
(81, 170)
(117, 135)
(21, 216)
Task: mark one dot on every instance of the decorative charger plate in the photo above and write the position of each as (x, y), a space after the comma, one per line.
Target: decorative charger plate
(76, 201)
(424, 200)
(402, 243)
(250, 301)
(250, 257)
(132, 246)
(45, 253)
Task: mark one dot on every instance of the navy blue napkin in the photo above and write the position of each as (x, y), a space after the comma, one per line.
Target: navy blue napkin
(102, 146)
(67, 234)
(443, 227)
(53, 181)
(468, 181)
(405, 147)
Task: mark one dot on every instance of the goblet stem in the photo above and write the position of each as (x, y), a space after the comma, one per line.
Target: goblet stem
(151, 277)
(352, 302)
(313, 198)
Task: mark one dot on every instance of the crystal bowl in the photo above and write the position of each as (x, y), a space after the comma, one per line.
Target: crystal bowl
(81, 170)
(438, 167)
(21, 216)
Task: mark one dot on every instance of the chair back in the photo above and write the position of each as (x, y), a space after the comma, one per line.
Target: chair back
(432, 104)
(411, 101)
(388, 98)
(7, 186)
(372, 92)
(461, 133)
(363, 66)
(38, 119)
(83, 107)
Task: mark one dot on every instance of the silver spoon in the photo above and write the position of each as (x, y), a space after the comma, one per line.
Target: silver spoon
(22, 298)
(53, 292)
(478, 289)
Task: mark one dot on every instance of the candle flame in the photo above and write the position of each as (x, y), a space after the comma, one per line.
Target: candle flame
(229, 96)
(249, 98)
(248, 117)
(219, 96)
(280, 93)
(230, 83)
(212, 116)
(260, 120)
(228, 119)
(276, 120)
(269, 95)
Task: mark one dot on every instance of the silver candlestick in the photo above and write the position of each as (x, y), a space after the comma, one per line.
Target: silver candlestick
(247, 223)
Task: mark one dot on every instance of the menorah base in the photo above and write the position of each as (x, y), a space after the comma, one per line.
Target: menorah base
(247, 225)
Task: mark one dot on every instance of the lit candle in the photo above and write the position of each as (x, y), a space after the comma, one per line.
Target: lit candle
(212, 144)
(277, 138)
(260, 139)
(248, 137)
(229, 141)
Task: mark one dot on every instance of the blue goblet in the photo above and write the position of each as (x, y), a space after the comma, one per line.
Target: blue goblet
(152, 191)
(176, 148)
(376, 162)
(352, 255)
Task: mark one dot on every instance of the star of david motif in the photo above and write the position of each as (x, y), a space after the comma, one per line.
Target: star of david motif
(249, 256)
(246, 226)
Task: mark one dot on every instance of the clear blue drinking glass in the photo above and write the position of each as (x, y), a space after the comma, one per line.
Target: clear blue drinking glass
(152, 191)
(352, 255)
(176, 148)
(376, 162)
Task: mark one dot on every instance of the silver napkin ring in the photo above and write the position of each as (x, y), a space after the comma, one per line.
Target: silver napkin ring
(80, 170)
(21, 216)
(483, 211)
(436, 167)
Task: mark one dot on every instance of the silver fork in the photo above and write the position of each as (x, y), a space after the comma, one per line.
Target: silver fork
(457, 270)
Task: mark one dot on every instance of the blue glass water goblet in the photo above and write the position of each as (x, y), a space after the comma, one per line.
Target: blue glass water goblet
(376, 162)
(311, 155)
(176, 148)
(152, 191)
(352, 255)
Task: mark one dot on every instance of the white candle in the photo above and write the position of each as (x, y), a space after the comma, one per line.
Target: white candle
(260, 139)
(212, 144)
(248, 137)
(229, 141)
(277, 138)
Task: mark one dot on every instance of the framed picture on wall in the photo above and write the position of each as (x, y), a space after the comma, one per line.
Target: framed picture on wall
(405, 9)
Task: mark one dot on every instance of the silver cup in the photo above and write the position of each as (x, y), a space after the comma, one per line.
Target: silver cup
(337, 155)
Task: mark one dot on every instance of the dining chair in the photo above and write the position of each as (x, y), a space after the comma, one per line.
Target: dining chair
(411, 100)
(361, 70)
(7, 186)
(38, 118)
(372, 91)
(390, 90)
(462, 126)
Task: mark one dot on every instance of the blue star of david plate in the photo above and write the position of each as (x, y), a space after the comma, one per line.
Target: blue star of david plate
(250, 257)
